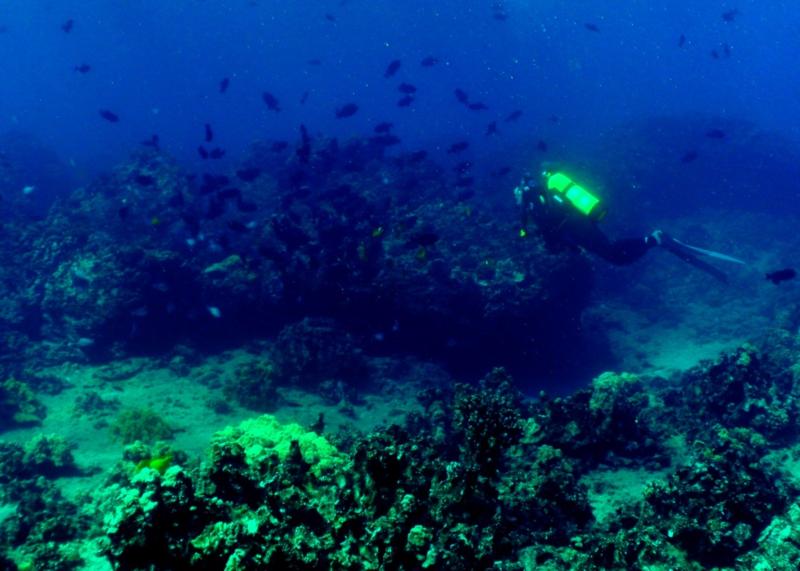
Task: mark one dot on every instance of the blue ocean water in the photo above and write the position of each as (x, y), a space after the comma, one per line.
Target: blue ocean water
(268, 299)
(158, 65)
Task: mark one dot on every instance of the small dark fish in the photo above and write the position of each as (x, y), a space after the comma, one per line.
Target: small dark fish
(386, 140)
(279, 146)
(491, 129)
(152, 142)
(216, 208)
(392, 68)
(502, 171)
(541, 146)
(248, 174)
(730, 15)
(314, 62)
(339, 192)
(463, 167)
(714, 54)
(429, 61)
(383, 127)
(144, 180)
(271, 101)
(84, 68)
(424, 238)
(245, 206)
(109, 116)
(779, 276)
(330, 17)
(405, 101)
(417, 156)
(192, 223)
(478, 106)
(514, 116)
(591, 27)
(229, 194)
(223, 84)
(238, 227)
(458, 147)
(682, 41)
(689, 156)
(216, 153)
(406, 88)
(68, 25)
(213, 182)
(499, 11)
(352, 166)
(304, 150)
(176, 200)
(209, 133)
(461, 96)
(465, 195)
(304, 97)
(201, 150)
(465, 181)
(346, 110)
(555, 119)
(715, 134)
(123, 212)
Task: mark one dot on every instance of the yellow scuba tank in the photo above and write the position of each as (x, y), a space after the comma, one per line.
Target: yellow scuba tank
(583, 200)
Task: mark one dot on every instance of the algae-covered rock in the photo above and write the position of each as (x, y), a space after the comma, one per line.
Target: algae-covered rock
(140, 424)
(318, 355)
(264, 437)
(716, 506)
(49, 454)
(253, 385)
(18, 405)
(778, 545)
(743, 388)
(36, 520)
(614, 421)
(544, 498)
(150, 519)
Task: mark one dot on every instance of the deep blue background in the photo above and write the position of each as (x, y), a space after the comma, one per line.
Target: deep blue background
(157, 64)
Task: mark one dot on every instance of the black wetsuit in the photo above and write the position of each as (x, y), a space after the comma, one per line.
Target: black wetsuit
(561, 226)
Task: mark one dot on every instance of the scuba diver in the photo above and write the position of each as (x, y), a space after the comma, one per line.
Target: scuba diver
(566, 215)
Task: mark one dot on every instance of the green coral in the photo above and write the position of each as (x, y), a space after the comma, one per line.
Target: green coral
(140, 424)
(18, 405)
(157, 463)
(264, 436)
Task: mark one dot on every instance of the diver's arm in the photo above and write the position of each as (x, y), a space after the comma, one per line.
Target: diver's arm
(524, 195)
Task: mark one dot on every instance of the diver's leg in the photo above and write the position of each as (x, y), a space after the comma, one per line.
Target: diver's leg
(618, 252)
(626, 251)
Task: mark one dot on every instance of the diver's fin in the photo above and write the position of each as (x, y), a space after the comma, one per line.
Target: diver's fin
(709, 253)
(687, 254)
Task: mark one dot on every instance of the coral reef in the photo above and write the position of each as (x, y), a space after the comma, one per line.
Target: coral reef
(743, 388)
(316, 355)
(253, 385)
(18, 405)
(278, 495)
(148, 257)
(615, 421)
(140, 424)
(42, 523)
(340, 272)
